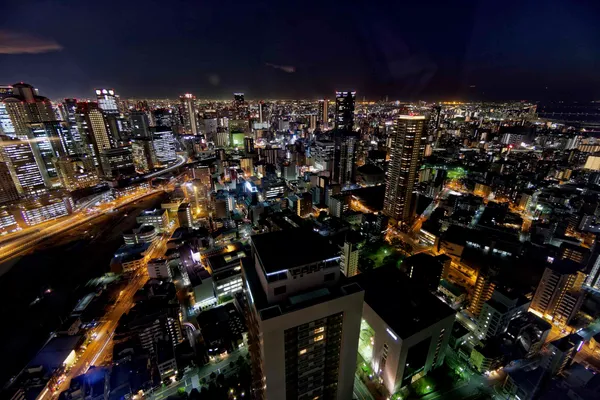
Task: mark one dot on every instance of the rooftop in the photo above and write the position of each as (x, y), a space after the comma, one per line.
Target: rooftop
(55, 352)
(292, 248)
(405, 308)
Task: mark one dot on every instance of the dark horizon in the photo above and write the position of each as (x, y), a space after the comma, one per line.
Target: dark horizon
(462, 51)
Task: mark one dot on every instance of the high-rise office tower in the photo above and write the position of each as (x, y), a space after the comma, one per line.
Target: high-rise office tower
(108, 101)
(117, 162)
(190, 117)
(33, 119)
(238, 100)
(140, 125)
(76, 144)
(323, 113)
(163, 143)
(558, 296)
(92, 127)
(304, 318)
(73, 173)
(344, 110)
(406, 151)
(8, 190)
(261, 112)
(163, 117)
(344, 156)
(23, 166)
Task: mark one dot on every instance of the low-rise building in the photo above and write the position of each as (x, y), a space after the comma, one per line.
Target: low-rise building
(407, 342)
(158, 218)
(158, 268)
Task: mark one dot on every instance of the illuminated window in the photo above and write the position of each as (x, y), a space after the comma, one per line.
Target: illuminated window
(319, 338)
(319, 330)
(303, 351)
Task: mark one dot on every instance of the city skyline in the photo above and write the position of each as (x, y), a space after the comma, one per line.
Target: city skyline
(475, 52)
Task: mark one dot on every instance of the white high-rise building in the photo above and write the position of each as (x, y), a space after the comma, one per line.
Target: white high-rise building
(304, 318)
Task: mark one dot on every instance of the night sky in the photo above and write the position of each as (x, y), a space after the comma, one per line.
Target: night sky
(433, 50)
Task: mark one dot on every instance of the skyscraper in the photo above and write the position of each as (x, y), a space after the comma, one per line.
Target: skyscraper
(304, 318)
(189, 112)
(323, 116)
(8, 190)
(108, 101)
(24, 168)
(344, 110)
(344, 156)
(238, 100)
(406, 151)
(32, 119)
(91, 125)
(140, 125)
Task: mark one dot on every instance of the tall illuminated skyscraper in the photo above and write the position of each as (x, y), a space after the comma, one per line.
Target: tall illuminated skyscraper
(344, 110)
(8, 189)
(69, 109)
(23, 166)
(323, 116)
(108, 101)
(406, 152)
(92, 127)
(190, 117)
(33, 120)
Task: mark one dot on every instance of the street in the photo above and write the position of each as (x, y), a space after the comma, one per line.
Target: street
(194, 377)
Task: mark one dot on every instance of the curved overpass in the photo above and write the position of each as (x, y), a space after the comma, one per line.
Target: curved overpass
(181, 160)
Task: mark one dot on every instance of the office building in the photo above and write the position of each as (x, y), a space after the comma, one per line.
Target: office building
(140, 124)
(184, 215)
(163, 117)
(117, 162)
(304, 318)
(43, 208)
(339, 204)
(92, 128)
(238, 100)
(29, 116)
(561, 352)
(406, 150)
(558, 296)
(8, 190)
(424, 270)
(163, 144)
(344, 110)
(140, 234)
(24, 169)
(190, 114)
(108, 101)
(323, 113)
(344, 156)
(69, 109)
(74, 172)
(405, 342)
(143, 154)
(323, 154)
(261, 112)
(158, 218)
(158, 268)
(504, 306)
